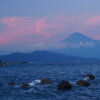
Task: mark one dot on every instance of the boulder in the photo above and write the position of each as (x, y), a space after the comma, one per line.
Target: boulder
(83, 83)
(46, 81)
(25, 85)
(64, 85)
(12, 83)
(92, 77)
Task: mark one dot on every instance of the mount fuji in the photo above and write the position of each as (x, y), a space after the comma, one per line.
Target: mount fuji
(80, 45)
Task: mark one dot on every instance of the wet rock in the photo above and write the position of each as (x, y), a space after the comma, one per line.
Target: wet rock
(25, 85)
(46, 81)
(12, 83)
(64, 85)
(92, 77)
(83, 83)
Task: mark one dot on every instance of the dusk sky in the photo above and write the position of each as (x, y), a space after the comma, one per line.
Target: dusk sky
(28, 25)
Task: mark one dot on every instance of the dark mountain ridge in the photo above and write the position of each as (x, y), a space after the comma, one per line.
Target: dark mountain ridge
(42, 56)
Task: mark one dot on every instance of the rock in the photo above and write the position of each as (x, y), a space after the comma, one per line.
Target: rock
(92, 77)
(64, 85)
(12, 83)
(46, 81)
(3, 63)
(83, 83)
(25, 85)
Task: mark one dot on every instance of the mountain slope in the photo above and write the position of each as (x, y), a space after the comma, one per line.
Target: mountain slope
(78, 37)
(80, 45)
(41, 56)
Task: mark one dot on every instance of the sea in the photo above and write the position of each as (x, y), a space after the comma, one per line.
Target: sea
(68, 71)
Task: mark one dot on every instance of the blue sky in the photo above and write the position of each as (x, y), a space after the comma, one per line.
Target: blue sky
(40, 8)
(27, 25)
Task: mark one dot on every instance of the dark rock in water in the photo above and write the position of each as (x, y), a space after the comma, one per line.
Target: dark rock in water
(92, 77)
(83, 83)
(12, 83)
(46, 81)
(25, 85)
(64, 85)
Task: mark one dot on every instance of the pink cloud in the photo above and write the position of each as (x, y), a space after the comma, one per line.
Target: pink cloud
(40, 25)
(26, 30)
(88, 25)
(94, 21)
(20, 30)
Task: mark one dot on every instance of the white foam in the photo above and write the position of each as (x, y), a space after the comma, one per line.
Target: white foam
(86, 78)
(32, 84)
(35, 82)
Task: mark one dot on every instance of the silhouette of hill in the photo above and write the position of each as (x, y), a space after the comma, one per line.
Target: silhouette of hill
(42, 56)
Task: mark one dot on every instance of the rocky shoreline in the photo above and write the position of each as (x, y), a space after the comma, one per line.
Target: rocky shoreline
(2, 63)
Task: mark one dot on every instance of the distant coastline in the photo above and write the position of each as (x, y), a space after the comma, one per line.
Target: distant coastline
(42, 57)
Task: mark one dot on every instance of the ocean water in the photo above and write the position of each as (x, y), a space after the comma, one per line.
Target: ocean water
(71, 72)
